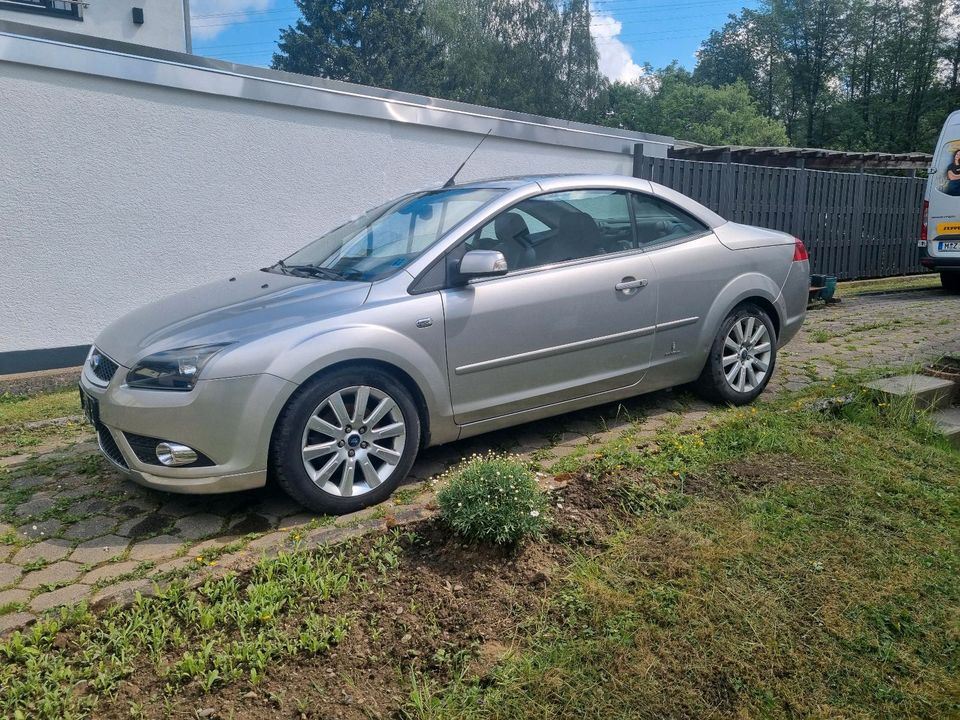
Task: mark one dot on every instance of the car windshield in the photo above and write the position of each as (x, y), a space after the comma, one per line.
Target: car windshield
(387, 238)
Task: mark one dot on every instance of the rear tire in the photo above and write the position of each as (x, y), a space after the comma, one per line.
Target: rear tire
(950, 281)
(742, 357)
(345, 440)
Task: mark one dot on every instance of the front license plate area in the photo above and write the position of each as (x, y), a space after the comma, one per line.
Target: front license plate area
(91, 408)
(953, 246)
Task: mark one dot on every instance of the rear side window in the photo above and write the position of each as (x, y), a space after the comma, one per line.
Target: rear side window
(948, 168)
(659, 221)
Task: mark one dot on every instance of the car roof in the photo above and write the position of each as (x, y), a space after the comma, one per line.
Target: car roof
(515, 181)
(562, 182)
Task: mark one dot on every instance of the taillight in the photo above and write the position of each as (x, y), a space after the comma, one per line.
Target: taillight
(923, 222)
(800, 251)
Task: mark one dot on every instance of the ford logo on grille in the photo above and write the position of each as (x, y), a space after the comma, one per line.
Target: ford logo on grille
(95, 359)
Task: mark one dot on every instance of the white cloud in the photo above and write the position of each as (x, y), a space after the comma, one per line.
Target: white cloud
(209, 18)
(616, 61)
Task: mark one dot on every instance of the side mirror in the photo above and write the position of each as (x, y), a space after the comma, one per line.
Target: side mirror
(482, 263)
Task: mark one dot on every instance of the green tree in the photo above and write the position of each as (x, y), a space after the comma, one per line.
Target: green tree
(678, 106)
(748, 47)
(384, 43)
(717, 116)
(852, 74)
(584, 86)
(532, 56)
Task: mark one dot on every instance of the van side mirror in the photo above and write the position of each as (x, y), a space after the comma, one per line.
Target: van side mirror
(481, 263)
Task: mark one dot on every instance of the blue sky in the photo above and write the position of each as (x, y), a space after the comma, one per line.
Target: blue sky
(628, 32)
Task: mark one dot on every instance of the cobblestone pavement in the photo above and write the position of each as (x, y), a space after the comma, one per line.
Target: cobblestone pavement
(76, 530)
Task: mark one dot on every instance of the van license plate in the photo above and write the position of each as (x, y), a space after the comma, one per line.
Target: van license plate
(948, 246)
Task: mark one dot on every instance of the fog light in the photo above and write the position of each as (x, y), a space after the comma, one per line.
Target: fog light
(175, 454)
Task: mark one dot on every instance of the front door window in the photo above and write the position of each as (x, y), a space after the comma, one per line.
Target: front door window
(559, 227)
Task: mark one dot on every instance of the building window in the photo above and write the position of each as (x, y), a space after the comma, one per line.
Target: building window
(59, 8)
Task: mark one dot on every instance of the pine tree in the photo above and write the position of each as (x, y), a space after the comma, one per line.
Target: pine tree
(382, 43)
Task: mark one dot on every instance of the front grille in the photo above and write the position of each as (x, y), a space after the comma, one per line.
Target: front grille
(109, 445)
(102, 366)
(145, 448)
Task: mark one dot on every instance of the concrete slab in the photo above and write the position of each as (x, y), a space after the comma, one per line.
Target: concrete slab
(948, 422)
(929, 392)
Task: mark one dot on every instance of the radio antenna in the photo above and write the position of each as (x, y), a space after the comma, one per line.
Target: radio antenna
(449, 183)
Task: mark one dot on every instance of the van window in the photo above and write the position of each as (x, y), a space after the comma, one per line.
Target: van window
(948, 168)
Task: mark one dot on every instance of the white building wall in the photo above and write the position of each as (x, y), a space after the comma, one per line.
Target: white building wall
(115, 193)
(164, 26)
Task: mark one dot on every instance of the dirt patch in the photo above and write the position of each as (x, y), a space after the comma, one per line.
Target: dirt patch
(588, 507)
(947, 368)
(753, 475)
(450, 606)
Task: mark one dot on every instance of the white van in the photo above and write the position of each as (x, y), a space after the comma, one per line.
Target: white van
(940, 231)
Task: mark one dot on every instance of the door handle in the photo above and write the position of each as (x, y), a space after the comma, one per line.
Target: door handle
(628, 286)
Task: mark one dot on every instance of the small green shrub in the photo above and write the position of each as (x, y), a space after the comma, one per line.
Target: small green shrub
(493, 499)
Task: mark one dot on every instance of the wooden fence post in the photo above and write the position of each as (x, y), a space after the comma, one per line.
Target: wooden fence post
(726, 186)
(638, 160)
(800, 202)
(856, 231)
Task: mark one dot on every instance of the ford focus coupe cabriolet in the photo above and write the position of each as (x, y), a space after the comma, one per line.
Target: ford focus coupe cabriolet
(437, 316)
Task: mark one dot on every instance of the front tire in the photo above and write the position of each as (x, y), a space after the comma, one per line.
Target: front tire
(741, 359)
(950, 281)
(345, 440)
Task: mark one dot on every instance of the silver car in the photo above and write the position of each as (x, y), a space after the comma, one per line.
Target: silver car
(437, 316)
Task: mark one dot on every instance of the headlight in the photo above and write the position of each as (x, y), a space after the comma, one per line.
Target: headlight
(172, 369)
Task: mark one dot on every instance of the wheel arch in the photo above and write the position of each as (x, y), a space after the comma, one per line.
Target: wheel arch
(765, 305)
(360, 364)
(753, 288)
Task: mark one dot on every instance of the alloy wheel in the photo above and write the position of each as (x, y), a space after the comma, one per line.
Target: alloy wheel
(353, 441)
(746, 354)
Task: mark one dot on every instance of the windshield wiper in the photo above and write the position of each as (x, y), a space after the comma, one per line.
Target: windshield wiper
(328, 273)
(284, 268)
(312, 270)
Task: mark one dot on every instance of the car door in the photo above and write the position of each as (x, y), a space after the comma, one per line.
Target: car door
(574, 316)
(693, 268)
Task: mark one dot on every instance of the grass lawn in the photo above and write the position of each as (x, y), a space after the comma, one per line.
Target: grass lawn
(788, 562)
(15, 410)
(912, 282)
(796, 566)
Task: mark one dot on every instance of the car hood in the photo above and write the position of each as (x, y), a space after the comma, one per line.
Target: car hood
(246, 307)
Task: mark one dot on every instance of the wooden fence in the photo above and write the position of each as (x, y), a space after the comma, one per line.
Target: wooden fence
(855, 225)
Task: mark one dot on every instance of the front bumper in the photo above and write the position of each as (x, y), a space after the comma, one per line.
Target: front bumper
(228, 420)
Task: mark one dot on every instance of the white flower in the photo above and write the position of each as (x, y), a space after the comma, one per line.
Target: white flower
(534, 513)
